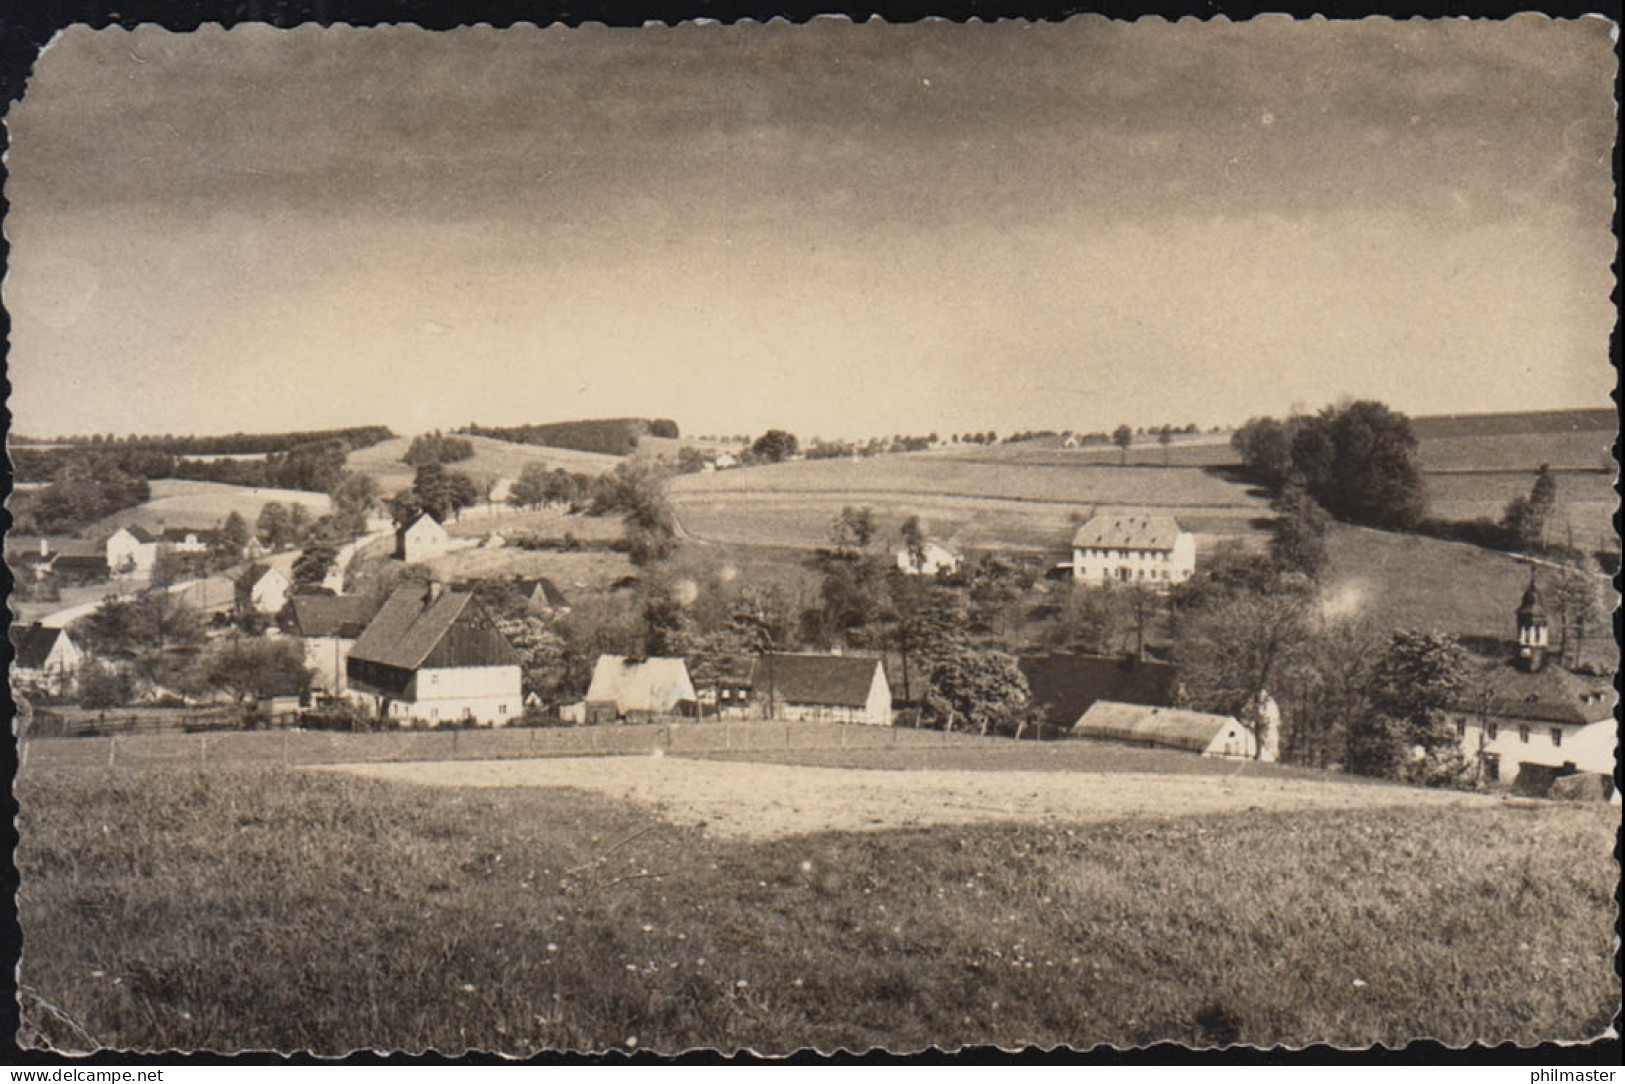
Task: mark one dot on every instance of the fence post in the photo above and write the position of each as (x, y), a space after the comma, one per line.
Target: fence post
(112, 750)
(727, 735)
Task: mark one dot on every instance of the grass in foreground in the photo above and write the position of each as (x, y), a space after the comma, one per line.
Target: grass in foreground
(169, 908)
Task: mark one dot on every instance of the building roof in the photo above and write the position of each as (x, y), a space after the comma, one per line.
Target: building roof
(1128, 533)
(139, 533)
(1065, 686)
(1172, 727)
(33, 644)
(411, 624)
(1551, 694)
(1531, 606)
(639, 684)
(840, 680)
(551, 594)
(400, 532)
(178, 534)
(342, 616)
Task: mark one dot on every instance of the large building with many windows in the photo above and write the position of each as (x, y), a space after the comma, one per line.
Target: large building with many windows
(1144, 549)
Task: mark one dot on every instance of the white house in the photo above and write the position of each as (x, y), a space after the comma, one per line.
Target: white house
(329, 627)
(1170, 728)
(1146, 549)
(725, 461)
(265, 590)
(626, 688)
(1070, 441)
(823, 688)
(435, 656)
(1529, 720)
(422, 540)
(932, 559)
(47, 658)
(131, 551)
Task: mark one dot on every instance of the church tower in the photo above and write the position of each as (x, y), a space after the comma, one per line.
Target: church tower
(1533, 630)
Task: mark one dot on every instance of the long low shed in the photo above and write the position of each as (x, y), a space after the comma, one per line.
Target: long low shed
(1172, 728)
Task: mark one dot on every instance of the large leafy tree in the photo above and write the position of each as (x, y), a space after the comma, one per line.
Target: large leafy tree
(1123, 437)
(1239, 646)
(1359, 462)
(1298, 534)
(775, 445)
(248, 668)
(1526, 518)
(982, 690)
(1417, 678)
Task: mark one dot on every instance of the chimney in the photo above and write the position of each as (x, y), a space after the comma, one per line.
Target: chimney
(45, 547)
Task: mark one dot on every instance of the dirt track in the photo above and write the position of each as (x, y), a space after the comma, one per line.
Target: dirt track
(764, 801)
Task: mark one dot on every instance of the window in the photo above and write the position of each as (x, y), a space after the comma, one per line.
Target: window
(434, 679)
(1492, 731)
(1557, 737)
(1523, 733)
(434, 713)
(1461, 728)
(502, 709)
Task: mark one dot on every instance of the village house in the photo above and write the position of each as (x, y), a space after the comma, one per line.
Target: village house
(632, 689)
(46, 658)
(543, 595)
(1064, 686)
(1147, 549)
(1530, 720)
(329, 627)
(1168, 728)
(435, 656)
(725, 461)
(132, 550)
(421, 540)
(262, 590)
(186, 541)
(823, 688)
(932, 559)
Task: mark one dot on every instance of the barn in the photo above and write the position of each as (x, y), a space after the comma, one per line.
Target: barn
(823, 688)
(1168, 728)
(435, 656)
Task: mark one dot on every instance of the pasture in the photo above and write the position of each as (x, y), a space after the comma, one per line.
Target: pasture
(1585, 502)
(1411, 581)
(176, 502)
(492, 459)
(970, 503)
(268, 907)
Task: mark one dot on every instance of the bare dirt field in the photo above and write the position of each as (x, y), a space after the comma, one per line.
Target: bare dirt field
(770, 801)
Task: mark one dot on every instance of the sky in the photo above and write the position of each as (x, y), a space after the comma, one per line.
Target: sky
(838, 229)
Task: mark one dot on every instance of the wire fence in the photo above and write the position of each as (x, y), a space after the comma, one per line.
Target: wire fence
(309, 747)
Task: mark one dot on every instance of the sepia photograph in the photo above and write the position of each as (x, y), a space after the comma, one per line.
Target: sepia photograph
(777, 538)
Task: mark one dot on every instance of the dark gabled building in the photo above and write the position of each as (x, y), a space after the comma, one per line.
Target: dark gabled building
(1065, 686)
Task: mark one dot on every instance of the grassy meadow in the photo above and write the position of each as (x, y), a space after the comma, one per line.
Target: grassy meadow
(267, 908)
(492, 459)
(177, 502)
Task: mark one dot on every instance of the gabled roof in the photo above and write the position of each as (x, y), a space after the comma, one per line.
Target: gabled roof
(139, 533)
(1128, 532)
(639, 684)
(839, 680)
(33, 644)
(400, 532)
(551, 595)
(178, 534)
(342, 616)
(410, 625)
(1171, 727)
(1065, 686)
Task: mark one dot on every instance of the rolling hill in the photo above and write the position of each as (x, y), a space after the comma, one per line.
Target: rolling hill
(492, 458)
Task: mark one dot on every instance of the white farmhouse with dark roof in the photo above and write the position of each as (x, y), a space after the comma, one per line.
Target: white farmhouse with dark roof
(823, 688)
(1170, 728)
(1148, 549)
(46, 657)
(421, 540)
(329, 627)
(435, 656)
(1529, 719)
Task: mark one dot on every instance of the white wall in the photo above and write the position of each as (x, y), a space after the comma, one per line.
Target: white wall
(1234, 740)
(1094, 565)
(492, 694)
(1590, 748)
(326, 655)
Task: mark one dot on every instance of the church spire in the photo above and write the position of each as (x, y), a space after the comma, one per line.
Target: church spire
(1533, 629)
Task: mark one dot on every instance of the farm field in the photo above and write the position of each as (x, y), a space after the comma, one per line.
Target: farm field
(980, 504)
(1399, 581)
(492, 458)
(1588, 450)
(749, 799)
(179, 503)
(1585, 501)
(270, 908)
